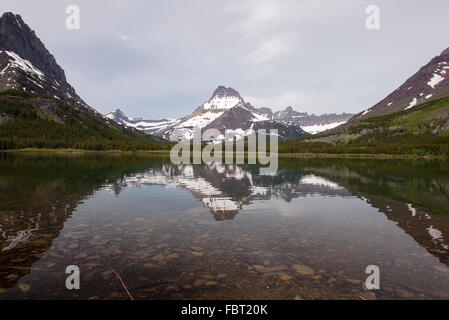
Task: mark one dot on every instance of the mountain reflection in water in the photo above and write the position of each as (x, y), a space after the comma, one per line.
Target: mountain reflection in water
(225, 189)
(40, 195)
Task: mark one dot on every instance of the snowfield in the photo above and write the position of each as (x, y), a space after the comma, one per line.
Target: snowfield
(23, 64)
(317, 128)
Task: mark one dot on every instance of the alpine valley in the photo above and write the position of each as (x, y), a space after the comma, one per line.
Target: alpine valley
(112, 206)
(40, 109)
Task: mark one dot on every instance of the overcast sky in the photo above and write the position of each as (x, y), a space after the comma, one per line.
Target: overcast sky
(157, 59)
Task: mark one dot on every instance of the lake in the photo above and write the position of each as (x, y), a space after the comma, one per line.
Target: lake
(221, 231)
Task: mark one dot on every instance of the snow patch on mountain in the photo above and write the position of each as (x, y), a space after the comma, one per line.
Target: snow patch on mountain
(366, 111)
(259, 117)
(222, 103)
(317, 128)
(202, 120)
(23, 64)
(412, 104)
(436, 79)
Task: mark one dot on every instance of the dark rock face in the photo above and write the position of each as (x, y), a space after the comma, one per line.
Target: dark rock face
(429, 83)
(285, 130)
(232, 119)
(17, 37)
(267, 112)
(20, 45)
(240, 118)
(222, 92)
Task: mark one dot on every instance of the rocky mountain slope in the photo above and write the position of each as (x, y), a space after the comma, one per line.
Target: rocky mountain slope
(412, 119)
(26, 64)
(431, 82)
(39, 108)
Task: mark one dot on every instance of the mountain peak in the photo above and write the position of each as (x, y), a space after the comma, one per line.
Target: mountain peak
(17, 37)
(223, 99)
(26, 64)
(445, 52)
(11, 16)
(223, 92)
(117, 115)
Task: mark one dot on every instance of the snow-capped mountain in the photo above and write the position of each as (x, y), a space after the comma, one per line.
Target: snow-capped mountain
(49, 100)
(429, 83)
(26, 64)
(309, 122)
(148, 126)
(227, 110)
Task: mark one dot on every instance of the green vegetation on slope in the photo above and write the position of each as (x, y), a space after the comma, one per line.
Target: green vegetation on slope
(39, 121)
(422, 130)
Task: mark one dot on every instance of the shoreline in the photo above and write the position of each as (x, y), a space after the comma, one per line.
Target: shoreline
(167, 152)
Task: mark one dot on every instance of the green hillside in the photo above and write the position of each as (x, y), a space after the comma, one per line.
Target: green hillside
(39, 121)
(422, 130)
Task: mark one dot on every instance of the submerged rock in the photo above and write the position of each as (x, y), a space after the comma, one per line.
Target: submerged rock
(199, 282)
(441, 268)
(24, 287)
(264, 269)
(284, 277)
(197, 254)
(404, 293)
(171, 288)
(302, 269)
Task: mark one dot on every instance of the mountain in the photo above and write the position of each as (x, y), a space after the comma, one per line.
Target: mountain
(413, 119)
(227, 110)
(27, 65)
(207, 115)
(148, 126)
(422, 131)
(39, 108)
(431, 82)
(309, 122)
